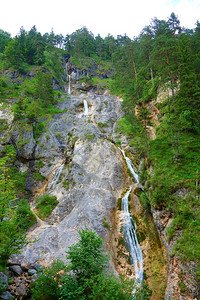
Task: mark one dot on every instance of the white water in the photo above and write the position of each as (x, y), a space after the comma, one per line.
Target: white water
(130, 166)
(56, 177)
(129, 232)
(69, 86)
(85, 107)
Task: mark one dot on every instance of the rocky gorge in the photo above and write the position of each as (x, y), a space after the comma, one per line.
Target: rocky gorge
(76, 159)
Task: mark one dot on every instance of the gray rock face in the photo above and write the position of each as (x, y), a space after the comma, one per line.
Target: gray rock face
(94, 71)
(23, 140)
(91, 179)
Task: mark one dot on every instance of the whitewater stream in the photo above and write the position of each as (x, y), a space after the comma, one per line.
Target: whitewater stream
(129, 230)
(56, 177)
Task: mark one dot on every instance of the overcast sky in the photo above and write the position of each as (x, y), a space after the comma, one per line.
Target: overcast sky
(99, 16)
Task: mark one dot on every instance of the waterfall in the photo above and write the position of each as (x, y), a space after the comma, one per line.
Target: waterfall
(129, 232)
(129, 229)
(56, 177)
(69, 86)
(85, 107)
(130, 166)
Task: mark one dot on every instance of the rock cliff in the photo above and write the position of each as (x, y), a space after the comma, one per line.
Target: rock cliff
(91, 180)
(75, 159)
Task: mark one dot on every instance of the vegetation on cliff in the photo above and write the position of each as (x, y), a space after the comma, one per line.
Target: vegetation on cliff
(85, 277)
(164, 56)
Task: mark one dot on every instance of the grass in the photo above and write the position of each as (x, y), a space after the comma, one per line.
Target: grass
(45, 206)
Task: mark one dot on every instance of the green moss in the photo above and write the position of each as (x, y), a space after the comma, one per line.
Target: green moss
(66, 184)
(105, 224)
(119, 204)
(100, 124)
(90, 137)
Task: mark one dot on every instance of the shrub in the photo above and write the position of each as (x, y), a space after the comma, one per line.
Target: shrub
(45, 206)
(46, 287)
(38, 177)
(25, 217)
(85, 277)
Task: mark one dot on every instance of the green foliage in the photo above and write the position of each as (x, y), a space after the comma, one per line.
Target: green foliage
(4, 40)
(143, 292)
(46, 287)
(53, 62)
(90, 137)
(39, 164)
(12, 229)
(105, 224)
(100, 124)
(38, 177)
(85, 277)
(45, 206)
(87, 258)
(24, 215)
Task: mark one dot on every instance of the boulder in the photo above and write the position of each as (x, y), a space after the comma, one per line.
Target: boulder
(16, 269)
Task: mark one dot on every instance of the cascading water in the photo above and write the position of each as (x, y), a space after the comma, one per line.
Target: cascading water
(129, 230)
(56, 177)
(85, 107)
(130, 166)
(69, 86)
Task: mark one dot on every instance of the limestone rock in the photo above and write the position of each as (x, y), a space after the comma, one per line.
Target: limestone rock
(23, 140)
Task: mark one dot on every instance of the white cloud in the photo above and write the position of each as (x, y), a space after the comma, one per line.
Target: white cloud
(105, 16)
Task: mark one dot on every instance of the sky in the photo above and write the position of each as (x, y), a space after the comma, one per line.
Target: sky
(99, 16)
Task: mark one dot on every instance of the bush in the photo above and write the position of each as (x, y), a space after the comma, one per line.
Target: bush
(25, 217)
(46, 287)
(45, 206)
(85, 277)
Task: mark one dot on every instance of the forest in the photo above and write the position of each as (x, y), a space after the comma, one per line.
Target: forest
(164, 57)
